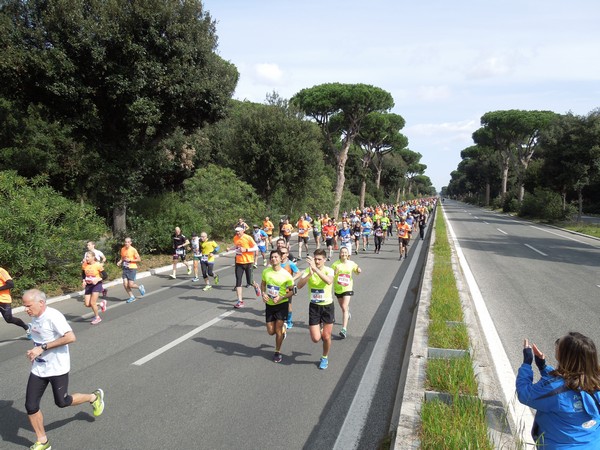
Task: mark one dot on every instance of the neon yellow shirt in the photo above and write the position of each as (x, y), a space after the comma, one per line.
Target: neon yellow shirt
(276, 283)
(342, 280)
(319, 292)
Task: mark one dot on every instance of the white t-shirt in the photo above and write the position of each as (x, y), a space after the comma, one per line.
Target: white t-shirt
(99, 256)
(50, 326)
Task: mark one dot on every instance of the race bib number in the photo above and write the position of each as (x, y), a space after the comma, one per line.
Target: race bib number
(125, 264)
(317, 295)
(179, 252)
(272, 291)
(343, 279)
(204, 258)
(378, 233)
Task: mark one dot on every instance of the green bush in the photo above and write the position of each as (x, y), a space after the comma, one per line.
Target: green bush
(544, 204)
(42, 234)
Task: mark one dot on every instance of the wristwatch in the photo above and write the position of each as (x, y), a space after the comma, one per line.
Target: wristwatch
(44, 347)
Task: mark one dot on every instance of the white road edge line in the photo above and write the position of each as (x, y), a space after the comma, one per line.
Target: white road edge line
(356, 416)
(559, 235)
(535, 249)
(521, 415)
(178, 341)
(487, 223)
(503, 232)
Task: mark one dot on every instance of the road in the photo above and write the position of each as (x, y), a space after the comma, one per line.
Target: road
(538, 282)
(182, 369)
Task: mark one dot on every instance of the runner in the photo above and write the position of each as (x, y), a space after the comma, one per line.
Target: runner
(286, 231)
(92, 275)
(180, 242)
(91, 247)
(345, 237)
(316, 227)
(6, 284)
(329, 231)
(268, 227)
(261, 238)
(129, 259)
(196, 255)
(303, 230)
(379, 234)
(292, 268)
(366, 226)
(342, 285)
(321, 312)
(356, 234)
(208, 250)
(244, 247)
(404, 231)
(50, 364)
(277, 289)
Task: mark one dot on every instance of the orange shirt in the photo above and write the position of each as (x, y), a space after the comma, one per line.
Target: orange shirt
(268, 227)
(404, 230)
(93, 270)
(4, 295)
(129, 254)
(286, 229)
(242, 244)
(329, 231)
(303, 227)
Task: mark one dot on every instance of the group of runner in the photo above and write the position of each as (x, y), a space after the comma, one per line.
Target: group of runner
(280, 281)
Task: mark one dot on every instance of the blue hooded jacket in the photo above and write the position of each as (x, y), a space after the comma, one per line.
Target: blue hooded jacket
(564, 419)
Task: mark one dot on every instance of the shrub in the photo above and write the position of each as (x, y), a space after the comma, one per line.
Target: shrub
(544, 204)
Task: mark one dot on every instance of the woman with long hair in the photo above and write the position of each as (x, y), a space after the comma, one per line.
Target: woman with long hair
(566, 399)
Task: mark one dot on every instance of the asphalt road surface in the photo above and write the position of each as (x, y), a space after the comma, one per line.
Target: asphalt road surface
(182, 368)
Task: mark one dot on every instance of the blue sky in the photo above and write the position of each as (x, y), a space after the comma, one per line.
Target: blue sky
(445, 63)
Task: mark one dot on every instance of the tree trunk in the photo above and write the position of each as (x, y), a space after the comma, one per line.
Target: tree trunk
(580, 201)
(341, 178)
(505, 166)
(378, 178)
(487, 193)
(363, 192)
(119, 217)
(398, 195)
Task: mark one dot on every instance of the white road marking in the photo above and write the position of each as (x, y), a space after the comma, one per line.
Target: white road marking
(183, 338)
(503, 232)
(561, 235)
(535, 250)
(356, 416)
(485, 222)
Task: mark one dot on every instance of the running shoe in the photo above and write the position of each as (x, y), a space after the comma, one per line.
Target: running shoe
(104, 292)
(254, 266)
(142, 290)
(28, 332)
(343, 333)
(96, 320)
(324, 363)
(277, 357)
(103, 305)
(131, 299)
(239, 304)
(173, 276)
(265, 263)
(98, 404)
(216, 279)
(40, 446)
(328, 258)
(208, 287)
(195, 279)
(290, 324)
(189, 271)
(257, 290)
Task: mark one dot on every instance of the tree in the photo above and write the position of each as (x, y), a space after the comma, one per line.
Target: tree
(514, 134)
(379, 135)
(572, 158)
(339, 109)
(115, 80)
(270, 146)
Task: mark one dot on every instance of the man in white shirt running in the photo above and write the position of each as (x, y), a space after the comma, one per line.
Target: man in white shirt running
(50, 364)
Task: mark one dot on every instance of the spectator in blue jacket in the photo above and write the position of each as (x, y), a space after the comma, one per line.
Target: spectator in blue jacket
(566, 399)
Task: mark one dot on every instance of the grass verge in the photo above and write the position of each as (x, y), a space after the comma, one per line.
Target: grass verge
(462, 423)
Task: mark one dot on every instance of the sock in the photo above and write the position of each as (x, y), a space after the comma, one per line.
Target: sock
(324, 357)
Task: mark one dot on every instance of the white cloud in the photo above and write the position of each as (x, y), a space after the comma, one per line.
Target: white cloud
(433, 93)
(489, 67)
(268, 73)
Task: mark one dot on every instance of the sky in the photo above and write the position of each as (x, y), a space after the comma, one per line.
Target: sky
(445, 63)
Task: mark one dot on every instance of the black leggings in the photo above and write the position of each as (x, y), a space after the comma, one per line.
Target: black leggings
(207, 269)
(240, 269)
(36, 387)
(378, 240)
(6, 310)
